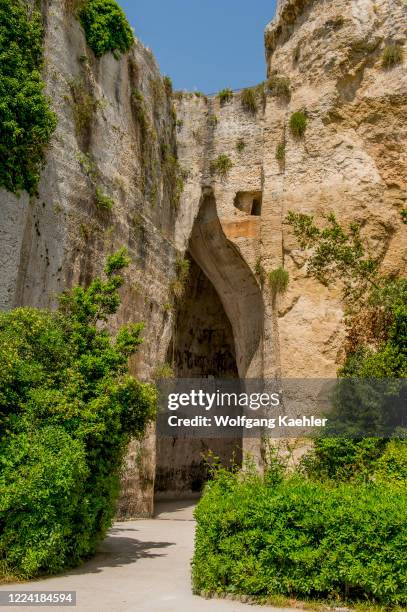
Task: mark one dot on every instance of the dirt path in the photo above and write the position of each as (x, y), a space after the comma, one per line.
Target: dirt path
(142, 566)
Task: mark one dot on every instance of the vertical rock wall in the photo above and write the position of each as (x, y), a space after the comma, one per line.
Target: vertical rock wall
(351, 161)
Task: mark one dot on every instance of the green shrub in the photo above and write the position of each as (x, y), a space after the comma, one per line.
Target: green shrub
(221, 165)
(212, 120)
(106, 27)
(278, 280)
(67, 411)
(301, 539)
(279, 85)
(392, 464)
(280, 152)
(392, 55)
(26, 119)
(226, 95)
(298, 124)
(103, 202)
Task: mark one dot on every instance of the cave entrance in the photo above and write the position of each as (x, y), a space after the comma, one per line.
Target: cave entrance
(202, 346)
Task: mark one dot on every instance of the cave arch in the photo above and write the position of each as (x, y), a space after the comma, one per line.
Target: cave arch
(218, 332)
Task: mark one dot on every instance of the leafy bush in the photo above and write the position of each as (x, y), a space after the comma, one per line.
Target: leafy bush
(221, 165)
(226, 95)
(392, 55)
(106, 27)
(278, 280)
(26, 120)
(67, 411)
(298, 124)
(392, 464)
(301, 539)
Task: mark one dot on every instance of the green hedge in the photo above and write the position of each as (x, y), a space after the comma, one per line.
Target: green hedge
(67, 411)
(301, 538)
(26, 120)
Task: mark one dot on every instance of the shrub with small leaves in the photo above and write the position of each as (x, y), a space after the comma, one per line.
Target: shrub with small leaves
(221, 165)
(298, 124)
(392, 55)
(278, 280)
(226, 95)
(106, 27)
(302, 539)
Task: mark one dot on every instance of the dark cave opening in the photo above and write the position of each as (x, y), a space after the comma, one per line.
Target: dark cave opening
(202, 346)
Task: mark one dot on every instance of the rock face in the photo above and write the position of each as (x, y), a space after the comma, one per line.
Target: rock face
(229, 221)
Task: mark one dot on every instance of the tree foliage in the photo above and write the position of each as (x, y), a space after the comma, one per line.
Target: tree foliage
(68, 408)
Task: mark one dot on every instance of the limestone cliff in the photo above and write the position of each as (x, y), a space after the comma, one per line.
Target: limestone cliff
(323, 58)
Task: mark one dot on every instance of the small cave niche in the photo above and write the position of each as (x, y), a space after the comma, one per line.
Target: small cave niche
(249, 202)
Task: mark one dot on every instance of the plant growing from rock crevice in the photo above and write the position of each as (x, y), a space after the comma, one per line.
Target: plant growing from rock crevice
(225, 96)
(280, 152)
(103, 201)
(279, 85)
(240, 145)
(298, 124)
(392, 55)
(84, 106)
(221, 165)
(182, 267)
(278, 280)
(260, 271)
(106, 27)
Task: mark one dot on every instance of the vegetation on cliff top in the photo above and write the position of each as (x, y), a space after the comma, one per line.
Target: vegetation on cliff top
(106, 27)
(26, 119)
(68, 408)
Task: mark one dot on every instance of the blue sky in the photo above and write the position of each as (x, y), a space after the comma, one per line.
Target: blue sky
(204, 44)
